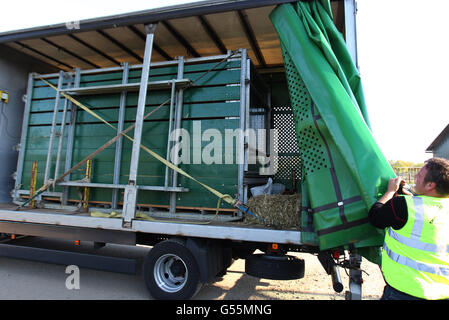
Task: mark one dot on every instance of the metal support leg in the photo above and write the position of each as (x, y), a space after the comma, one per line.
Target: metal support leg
(119, 143)
(242, 146)
(70, 137)
(355, 277)
(62, 132)
(53, 128)
(170, 128)
(247, 125)
(23, 139)
(129, 208)
(178, 120)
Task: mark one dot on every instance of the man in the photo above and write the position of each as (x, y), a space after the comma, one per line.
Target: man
(415, 256)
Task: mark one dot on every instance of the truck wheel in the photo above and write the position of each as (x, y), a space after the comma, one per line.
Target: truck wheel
(274, 267)
(171, 272)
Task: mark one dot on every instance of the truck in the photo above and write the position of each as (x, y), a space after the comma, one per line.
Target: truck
(120, 122)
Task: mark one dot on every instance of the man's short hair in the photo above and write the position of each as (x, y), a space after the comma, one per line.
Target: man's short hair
(438, 172)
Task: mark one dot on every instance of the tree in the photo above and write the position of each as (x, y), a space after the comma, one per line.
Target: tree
(405, 164)
(406, 169)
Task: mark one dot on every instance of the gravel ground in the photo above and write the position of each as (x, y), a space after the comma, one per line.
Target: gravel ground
(316, 284)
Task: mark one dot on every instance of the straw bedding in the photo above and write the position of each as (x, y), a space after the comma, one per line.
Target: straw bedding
(278, 211)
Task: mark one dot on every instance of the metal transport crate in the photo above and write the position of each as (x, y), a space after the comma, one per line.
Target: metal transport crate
(210, 102)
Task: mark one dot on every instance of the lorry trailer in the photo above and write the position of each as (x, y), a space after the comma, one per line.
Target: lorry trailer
(154, 128)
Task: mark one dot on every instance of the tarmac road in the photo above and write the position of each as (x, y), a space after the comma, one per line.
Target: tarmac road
(28, 280)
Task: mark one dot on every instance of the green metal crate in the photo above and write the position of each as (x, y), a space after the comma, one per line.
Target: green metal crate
(222, 99)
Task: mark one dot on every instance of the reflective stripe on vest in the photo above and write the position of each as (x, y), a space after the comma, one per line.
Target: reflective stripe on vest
(415, 243)
(419, 217)
(418, 266)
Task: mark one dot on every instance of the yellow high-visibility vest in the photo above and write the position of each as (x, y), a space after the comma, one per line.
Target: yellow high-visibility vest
(415, 258)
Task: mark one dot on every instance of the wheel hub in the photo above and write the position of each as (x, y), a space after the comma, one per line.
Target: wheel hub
(178, 269)
(170, 273)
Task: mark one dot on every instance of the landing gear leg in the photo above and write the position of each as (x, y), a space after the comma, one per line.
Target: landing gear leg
(355, 277)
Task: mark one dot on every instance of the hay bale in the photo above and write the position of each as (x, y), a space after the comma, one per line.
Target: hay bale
(279, 211)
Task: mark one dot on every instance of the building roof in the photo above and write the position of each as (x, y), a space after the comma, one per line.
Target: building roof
(202, 28)
(438, 140)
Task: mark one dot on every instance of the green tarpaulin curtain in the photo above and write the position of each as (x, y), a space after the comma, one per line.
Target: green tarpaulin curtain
(344, 171)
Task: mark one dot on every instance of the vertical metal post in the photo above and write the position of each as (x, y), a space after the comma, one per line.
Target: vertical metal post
(170, 128)
(268, 116)
(119, 143)
(70, 137)
(33, 183)
(130, 199)
(355, 277)
(247, 107)
(242, 139)
(351, 29)
(62, 132)
(23, 139)
(247, 112)
(178, 120)
(53, 127)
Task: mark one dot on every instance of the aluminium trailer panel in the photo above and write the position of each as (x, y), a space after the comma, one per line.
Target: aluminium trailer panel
(221, 231)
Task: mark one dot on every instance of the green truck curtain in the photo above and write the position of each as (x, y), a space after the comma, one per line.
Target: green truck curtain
(344, 171)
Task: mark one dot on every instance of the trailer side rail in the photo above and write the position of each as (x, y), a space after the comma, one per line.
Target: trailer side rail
(186, 229)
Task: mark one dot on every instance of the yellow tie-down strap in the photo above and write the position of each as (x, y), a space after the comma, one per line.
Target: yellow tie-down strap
(220, 195)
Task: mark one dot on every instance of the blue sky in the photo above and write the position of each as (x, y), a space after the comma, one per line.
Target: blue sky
(403, 60)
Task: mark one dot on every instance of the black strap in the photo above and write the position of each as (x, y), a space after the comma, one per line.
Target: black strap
(332, 168)
(309, 213)
(337, 204)
(341, 227)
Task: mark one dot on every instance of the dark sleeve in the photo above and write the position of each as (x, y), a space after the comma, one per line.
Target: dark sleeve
(391, 214)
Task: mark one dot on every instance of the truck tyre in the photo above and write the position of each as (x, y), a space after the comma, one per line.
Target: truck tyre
(274, 267)
(171, 271)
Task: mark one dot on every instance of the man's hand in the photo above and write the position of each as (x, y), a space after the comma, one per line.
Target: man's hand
(393, 187)
(394, 184)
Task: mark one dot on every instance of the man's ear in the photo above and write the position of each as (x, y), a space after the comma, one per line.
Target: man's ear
(430, 186)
